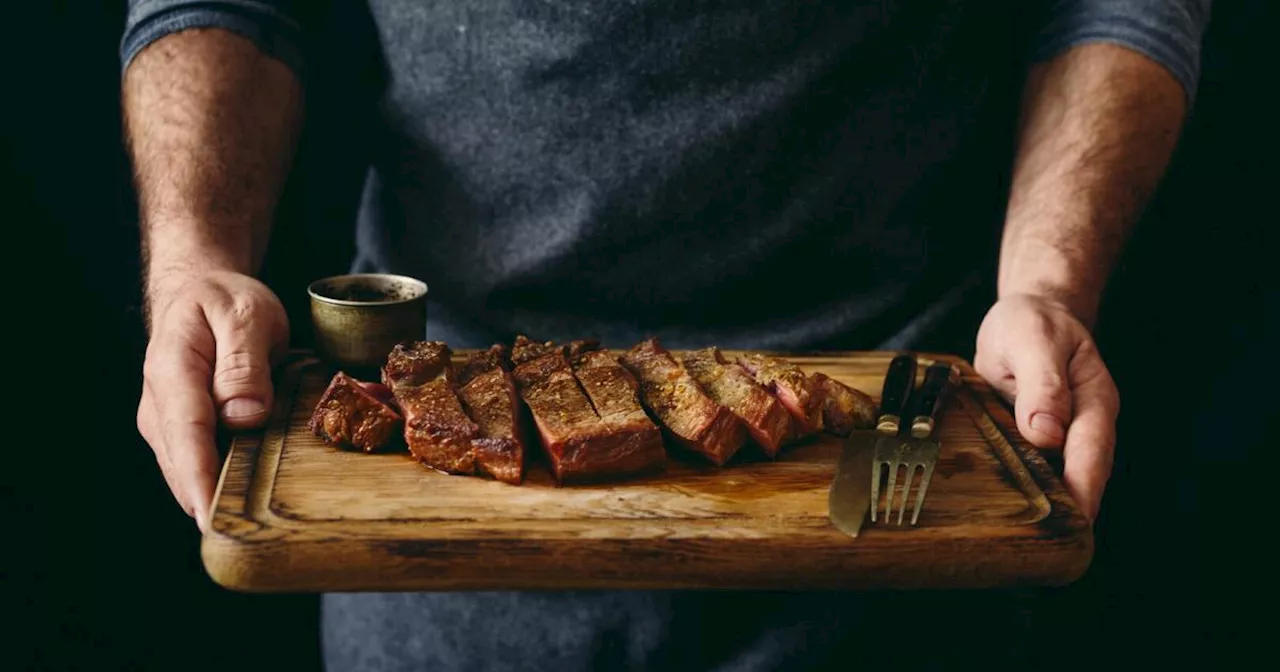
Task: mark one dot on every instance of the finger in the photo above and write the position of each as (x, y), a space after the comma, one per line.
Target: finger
(1042, 403)
(245, 335)
(147, 428)
(179, 375)
(146, 421)
(1091, 440)
(996, 372)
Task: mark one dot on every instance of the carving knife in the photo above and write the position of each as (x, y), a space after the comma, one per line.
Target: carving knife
(850, 495)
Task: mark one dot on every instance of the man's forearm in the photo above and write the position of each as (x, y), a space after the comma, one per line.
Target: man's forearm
(1099, 123)
(211, 124)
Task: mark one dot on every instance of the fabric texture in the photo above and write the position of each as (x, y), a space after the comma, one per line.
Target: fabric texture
(779, 175)
(1167, 32)
(751, 174)
(270, 25)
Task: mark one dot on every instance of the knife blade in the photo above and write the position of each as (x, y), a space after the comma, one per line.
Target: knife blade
(850, 496)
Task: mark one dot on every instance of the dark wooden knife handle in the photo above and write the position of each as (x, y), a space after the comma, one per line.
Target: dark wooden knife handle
(898, 382)
(930, 398)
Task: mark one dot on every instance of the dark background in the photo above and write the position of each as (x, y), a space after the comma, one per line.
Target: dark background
(101, 569)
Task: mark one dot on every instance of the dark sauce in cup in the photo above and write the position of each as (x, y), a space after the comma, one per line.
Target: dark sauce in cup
(370, 293)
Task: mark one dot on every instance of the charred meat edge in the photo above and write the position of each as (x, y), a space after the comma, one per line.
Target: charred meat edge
(728, 384)
(794, 389)
(844, 409)
(355, 414)
(682, 406)
(614, 393)
(437, 429)
(525, 349)
(579, 446)
(489, 397)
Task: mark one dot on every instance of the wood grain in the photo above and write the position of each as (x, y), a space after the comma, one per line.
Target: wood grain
(293, 514)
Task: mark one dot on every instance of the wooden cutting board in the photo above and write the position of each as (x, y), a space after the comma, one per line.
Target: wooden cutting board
(293, 514)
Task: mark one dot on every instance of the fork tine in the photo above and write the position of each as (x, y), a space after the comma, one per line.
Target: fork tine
(924, 487)
(888, 499)
(906, 488)
(875, 487)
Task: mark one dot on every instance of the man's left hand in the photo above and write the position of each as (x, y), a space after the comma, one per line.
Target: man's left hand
(1042, 358)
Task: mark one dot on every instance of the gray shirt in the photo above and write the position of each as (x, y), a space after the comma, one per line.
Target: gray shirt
(767, 174)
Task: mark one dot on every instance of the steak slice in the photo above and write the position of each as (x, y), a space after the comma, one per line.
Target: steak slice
(352, 414)
(526, 350)
(488, 396)
(482, 362)
(731, 386)
(794, 389)
(380, 392)
(436, 428)
(577, 348)
(413, 364)
(682, 406)
(844, 409)
(578, 443)
(615, 396)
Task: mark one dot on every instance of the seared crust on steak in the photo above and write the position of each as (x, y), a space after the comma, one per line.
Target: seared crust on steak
(598, 414)
(352, 414)
(731, 386)
(438, 431)
(844, 409)
(560, 409)
(578, 443)
(615, 396)
(411, 364)
(482, 362)
(578, 348)
(525, 350)
(488, 395)
(681, 405)
(796, 391)
(436, 428)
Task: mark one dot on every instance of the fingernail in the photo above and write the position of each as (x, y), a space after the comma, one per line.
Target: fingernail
(238, 409)
(1048, 425)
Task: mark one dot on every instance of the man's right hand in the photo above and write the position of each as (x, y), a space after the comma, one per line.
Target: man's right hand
(214, 338)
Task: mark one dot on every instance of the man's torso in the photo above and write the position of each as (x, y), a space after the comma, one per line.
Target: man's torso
(747, 174)
(751, 174)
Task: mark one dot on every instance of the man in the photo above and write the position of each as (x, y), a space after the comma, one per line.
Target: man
(747, 174)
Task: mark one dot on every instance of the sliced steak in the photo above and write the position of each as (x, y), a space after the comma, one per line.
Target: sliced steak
(681, 405)
(436, 428)
(352, 414)
(795, 390)
(561, 411)
(526, 350)
(482, 362)
(576, 349)
(380, 392)
(731, 386)
(489, 397)
(844, 409)
(413, 364)
(580, 446)
(615, 396)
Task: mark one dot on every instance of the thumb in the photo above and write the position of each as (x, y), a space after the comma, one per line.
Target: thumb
(1042, 404)
(247, 335)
